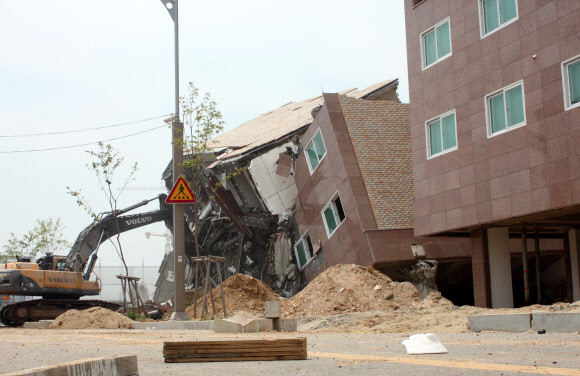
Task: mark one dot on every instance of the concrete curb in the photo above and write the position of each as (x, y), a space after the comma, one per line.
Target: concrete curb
(519, 322)
(175, 325)
(556, 322)
(109, 365)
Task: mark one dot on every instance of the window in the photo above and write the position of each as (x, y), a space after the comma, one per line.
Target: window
(315, 151)
(303, 250)
(333, 215)
(571, 82)
(436, 44)
(441, 134)
(495, 14)
(505, 109)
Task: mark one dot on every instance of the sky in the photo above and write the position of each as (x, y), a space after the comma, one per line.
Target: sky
(75, 65)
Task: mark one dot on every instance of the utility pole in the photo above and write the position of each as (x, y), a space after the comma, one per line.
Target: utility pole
(178, 209)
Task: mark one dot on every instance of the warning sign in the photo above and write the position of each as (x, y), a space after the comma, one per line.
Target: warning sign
(181, 193)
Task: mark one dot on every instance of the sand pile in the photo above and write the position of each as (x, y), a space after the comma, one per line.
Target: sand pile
(242, 292)
(353, 288)
(92, 318)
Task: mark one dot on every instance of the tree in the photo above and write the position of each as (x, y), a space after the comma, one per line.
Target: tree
(204, 121)
(46, 237)
(106, 164)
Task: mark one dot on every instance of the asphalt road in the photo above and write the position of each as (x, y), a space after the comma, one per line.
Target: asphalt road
(487, 353)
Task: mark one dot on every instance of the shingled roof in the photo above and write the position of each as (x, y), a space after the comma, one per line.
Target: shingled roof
(279, 123)
(381, 137)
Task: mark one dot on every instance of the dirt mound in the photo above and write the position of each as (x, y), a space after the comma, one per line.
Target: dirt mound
(353, 288)
(242, 293)
(92, 318)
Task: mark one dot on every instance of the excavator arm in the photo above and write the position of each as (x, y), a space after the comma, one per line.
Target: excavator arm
(109, 225)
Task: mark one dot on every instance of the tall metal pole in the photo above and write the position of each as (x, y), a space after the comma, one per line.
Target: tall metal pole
(178, 210)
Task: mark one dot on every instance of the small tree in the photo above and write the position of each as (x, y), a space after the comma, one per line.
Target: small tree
(204, 121)
(46, 237)
(105, 163)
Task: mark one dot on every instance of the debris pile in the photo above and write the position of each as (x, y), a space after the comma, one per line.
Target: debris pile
(353, 288)
(242, 292)
(92, 318)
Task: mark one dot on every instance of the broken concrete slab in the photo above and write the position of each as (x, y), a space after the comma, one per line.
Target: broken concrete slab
(519, 322)
(109, 365)
(272, 309)
(175, 325)
(556, 322)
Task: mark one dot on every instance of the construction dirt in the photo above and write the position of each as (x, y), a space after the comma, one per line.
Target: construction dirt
(242, 292)
(353, 298)
(92, 318)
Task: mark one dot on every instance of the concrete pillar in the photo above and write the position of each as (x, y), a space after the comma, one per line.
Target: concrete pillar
(500, 269)
(574, 237)
(480, 269)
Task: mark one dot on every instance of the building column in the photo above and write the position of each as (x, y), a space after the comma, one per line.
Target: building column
(500, 268)
(574, 241)
(480, 269)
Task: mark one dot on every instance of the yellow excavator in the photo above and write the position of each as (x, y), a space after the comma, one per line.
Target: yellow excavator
(62, 280)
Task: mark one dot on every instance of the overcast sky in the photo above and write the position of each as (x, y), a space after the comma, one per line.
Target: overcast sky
(70, 65)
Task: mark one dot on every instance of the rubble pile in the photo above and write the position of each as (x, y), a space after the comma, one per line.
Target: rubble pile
(242, 293)
(92, 318)
(353, 288)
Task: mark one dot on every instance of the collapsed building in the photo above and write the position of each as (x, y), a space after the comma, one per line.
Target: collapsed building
(309, 185)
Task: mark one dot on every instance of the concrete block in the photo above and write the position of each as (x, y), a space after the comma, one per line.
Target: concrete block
(289, 325)
(175, 325)
(519, 322)
(109, 365)
(43, 324)
(228, 326)
(556, 322)
(273, 309)
(265, 325)
(243, 325)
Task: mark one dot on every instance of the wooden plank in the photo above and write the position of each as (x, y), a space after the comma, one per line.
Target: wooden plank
(234, 359)
(232, 347)
(268, 342)
(237, 350)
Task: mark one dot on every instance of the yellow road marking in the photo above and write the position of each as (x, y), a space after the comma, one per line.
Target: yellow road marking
(451, 364)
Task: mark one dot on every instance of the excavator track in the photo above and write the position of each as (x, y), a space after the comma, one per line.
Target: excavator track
(16, 314)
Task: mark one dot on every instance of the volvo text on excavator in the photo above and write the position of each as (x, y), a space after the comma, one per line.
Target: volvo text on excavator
(62, 280)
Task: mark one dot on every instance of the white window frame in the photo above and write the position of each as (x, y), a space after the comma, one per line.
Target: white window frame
(566, 83)
(422, 43)
(488, 113)
(428, 135)
(308, 251)
(311, 142)
(335, 212)
(501, 26)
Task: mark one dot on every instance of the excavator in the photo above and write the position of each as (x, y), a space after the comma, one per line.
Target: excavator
(62, 280)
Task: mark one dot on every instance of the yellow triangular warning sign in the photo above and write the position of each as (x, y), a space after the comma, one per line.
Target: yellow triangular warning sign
(180, 193)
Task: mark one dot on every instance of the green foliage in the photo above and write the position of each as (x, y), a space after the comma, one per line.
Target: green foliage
(45, 237)
(204, 121)
(135, 315)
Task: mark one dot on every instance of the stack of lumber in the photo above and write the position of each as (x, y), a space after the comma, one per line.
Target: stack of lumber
(235, 350)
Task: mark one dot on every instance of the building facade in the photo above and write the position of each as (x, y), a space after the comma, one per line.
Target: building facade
(495, 127)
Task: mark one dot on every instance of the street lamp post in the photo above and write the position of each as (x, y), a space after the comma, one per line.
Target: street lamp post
(178, 210)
